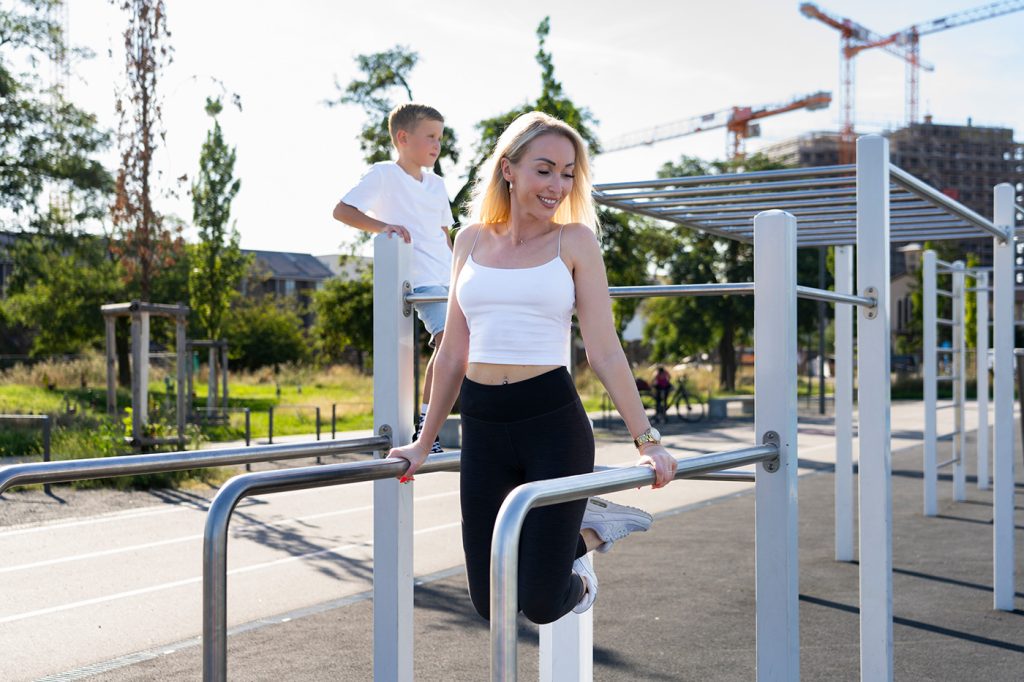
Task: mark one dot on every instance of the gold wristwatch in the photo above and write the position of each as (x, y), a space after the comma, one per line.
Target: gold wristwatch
(651, 435)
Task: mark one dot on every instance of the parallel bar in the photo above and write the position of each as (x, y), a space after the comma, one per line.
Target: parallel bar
(930, 367)
(955, 460)
(943, 292)
(875, 465)
(63, 471)
(1003, 254)
(509, 523)
(695, 191)
(775, 496)
(928, 192)
(948, 377)
(844, 483)
(948, 351)
(215, 536)
(945, 321)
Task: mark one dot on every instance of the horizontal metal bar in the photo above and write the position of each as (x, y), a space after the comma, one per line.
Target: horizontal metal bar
(723, 476)
(928, 192)
(978, 290)
(24, 417)
(948, 461)
(518, 503)
(645, 291)
(715, 190)
(943, 320)
(943, 292)
(847, 169)
(947, 350)
(833, 297)
(63, 471)
(159, 309)
(948, 377)
(946, 406)
(215, 534)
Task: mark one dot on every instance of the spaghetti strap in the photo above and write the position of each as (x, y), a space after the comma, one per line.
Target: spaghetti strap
(475, 240)
(560, 231)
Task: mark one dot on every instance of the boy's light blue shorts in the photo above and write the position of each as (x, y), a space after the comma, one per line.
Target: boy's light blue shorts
(432, 314)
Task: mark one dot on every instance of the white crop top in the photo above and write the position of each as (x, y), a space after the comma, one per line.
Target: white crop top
(517, 316)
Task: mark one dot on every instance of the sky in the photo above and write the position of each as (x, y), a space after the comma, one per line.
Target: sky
(634, 65)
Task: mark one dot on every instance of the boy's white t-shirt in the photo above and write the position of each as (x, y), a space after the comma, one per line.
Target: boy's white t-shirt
(393, 196)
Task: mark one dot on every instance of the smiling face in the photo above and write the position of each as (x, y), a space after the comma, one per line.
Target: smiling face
(543, 176)
(422, 145)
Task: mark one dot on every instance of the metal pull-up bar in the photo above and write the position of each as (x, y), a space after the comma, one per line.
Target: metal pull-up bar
(518, 503)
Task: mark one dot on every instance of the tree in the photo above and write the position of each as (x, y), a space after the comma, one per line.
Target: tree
(264, 331)
(145, 243)
(57, 288)
(552, 100)
(682, 326)
(45, 141)
(344, 316)
(217, 261)
(383, 73)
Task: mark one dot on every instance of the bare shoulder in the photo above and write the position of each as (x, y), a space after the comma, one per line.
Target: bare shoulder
(465, 237)
(580, 243)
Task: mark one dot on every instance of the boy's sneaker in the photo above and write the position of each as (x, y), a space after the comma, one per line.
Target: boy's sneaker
(585, 570)
(613, 521)
(436, 447)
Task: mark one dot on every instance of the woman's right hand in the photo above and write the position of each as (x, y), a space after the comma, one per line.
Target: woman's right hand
(414, 453)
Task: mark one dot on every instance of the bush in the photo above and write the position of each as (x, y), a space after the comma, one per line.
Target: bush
(262, 332)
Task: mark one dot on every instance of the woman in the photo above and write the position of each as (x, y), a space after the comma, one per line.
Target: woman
(517, 275)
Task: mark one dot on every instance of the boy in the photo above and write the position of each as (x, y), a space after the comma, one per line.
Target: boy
(409, 202)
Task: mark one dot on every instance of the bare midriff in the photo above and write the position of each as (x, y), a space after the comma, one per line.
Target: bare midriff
(491, 374)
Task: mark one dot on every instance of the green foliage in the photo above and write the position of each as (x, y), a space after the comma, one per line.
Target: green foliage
(627, 241)
(344, 316)
(383, 73)
(551, 100)
(265, 331)
(677, 327)
(217, 261)
(47, 142)
(60, 280)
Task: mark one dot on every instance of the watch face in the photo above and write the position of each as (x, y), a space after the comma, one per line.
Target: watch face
(656, 434)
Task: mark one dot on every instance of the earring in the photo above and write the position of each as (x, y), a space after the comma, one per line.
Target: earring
(510, 187)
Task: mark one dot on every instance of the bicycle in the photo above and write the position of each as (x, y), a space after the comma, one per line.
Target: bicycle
(689, 408)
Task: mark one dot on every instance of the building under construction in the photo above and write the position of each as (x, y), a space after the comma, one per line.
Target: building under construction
(964, 162)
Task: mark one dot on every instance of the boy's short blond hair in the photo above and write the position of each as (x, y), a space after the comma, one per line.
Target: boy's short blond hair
(406, 116)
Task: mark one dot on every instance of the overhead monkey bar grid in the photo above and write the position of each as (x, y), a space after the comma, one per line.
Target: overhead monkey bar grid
(824, 200)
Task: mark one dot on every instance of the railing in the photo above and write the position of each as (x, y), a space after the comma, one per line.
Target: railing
(47, 427)
(64, 471)
(509, 524)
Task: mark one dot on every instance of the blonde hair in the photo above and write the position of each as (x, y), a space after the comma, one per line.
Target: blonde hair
(406, 116)
(491, 202)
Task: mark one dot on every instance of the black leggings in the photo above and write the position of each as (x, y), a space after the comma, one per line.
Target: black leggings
(512, 434)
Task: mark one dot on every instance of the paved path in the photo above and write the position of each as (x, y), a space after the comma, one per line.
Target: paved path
(92, 590)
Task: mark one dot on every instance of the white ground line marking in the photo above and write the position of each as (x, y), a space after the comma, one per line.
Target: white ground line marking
(198, 579)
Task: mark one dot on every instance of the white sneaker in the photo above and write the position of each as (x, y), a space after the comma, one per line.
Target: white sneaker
(585, 570)
(613, 521)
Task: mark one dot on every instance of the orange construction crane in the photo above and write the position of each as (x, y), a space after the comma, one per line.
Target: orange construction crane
(911, 35)
(738, 121)
(855, 38)
(903, 44)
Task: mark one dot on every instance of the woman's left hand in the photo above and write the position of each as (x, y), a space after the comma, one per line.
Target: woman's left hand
(664, 464)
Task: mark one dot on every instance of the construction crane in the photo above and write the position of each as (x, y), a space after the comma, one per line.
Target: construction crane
(855, 38)
(903, 44)
(911, 35)
(738, 121)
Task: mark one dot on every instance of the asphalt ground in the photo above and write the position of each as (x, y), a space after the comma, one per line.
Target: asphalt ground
(677, 603)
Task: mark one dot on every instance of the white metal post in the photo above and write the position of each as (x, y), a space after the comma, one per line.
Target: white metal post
(981, 358)
(567, 647)
(930, 363)
(844, 407)
(959, 365)
(1003, 285)
(775, 395)
(392, 501)
(875, 461)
